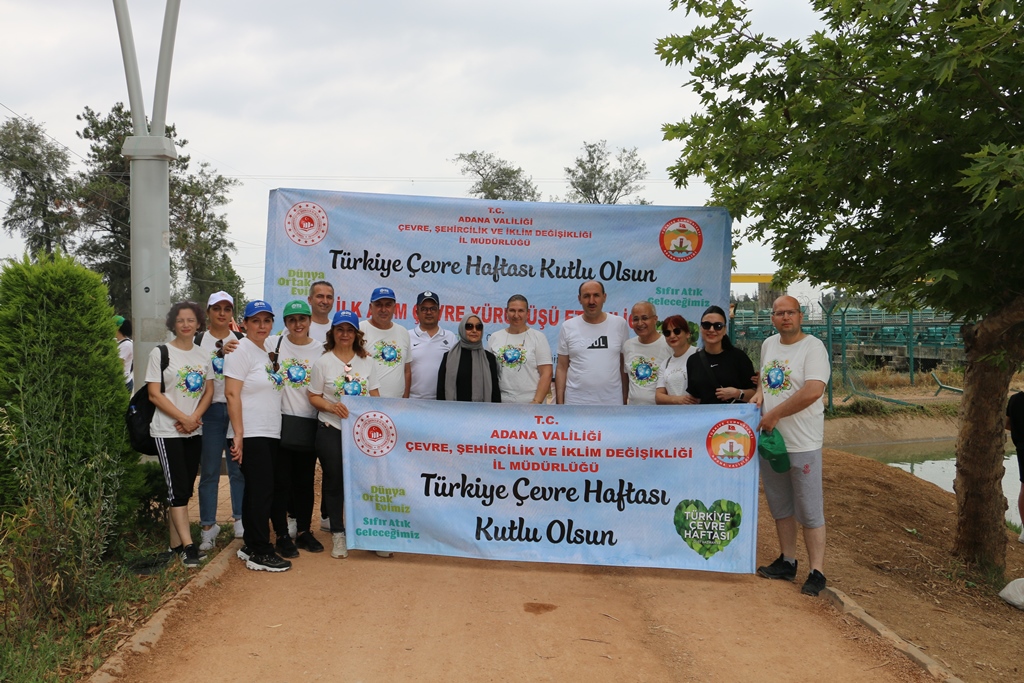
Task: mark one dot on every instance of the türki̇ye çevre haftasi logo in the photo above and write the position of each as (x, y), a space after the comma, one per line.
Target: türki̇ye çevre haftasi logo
(681, 239)
(730, 443)
(306, 224)
(375, 433)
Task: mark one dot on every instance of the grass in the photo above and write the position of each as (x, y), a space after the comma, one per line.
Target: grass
(72, 645)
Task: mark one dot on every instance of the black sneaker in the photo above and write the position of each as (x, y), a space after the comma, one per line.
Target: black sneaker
(243, 553)
(779, 569)
(286, 546)
(307, 541)
(178, 550)
(814, 584)
(190, 555)
(267, 563)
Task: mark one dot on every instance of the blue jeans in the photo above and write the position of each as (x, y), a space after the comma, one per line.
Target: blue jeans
(215, 440)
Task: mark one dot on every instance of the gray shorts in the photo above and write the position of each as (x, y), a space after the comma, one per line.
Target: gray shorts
(798, 491)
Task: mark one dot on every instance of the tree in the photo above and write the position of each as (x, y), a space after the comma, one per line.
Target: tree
(593, 180)
(200, 250)
(496, 178)
(882, 154)
(35, 169)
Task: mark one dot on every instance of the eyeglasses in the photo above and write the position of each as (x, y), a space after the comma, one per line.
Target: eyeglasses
(273, 359)
(220, 348)
(785, 314)
(475, 326)
(708, 325)
(674, 332)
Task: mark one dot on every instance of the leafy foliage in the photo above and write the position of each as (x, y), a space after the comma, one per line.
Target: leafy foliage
(496, 178)
(593, 179)
(35, 169)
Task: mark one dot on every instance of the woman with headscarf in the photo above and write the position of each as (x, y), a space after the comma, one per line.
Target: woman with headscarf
(469, 372)
(720, 372)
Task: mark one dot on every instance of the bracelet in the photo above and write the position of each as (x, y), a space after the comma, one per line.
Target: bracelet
(741, 394)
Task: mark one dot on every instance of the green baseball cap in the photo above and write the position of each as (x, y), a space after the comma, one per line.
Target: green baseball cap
(297, 307)
(772, 448)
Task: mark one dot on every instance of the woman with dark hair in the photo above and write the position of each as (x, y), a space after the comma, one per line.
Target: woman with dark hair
(469, 372)
(252, 386)
(671, 389)
(719, 373)
(345, 369)
(181, 395)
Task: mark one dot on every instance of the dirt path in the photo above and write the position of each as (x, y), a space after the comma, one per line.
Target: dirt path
(425, 618)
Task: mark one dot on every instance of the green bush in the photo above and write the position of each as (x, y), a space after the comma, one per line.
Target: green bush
(63, 437)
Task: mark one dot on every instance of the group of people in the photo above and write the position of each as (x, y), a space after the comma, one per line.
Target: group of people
(275, 401)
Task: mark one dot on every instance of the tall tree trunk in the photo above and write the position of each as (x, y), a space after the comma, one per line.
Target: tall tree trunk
(980, 503)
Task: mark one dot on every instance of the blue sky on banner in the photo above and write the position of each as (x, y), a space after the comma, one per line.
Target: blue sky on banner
(627, 485)
(475, 254)
(372, 97)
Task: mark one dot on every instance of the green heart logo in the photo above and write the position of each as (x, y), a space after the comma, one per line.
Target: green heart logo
(708, 530)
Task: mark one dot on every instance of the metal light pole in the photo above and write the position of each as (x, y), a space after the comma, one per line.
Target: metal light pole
(150, 153)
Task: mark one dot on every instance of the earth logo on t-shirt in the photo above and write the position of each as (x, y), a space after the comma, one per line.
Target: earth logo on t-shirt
(275, 378)
(349, 386)
(644, 371)
(191, 381)
(512, 357)
(218, 366)
(387, 353)
(776, 377)
(296, 373)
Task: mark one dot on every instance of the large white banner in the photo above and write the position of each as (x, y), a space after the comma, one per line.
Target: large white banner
(477, 253)
(644, 486)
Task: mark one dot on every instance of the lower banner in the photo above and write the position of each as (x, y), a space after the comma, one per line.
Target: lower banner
(642, 486)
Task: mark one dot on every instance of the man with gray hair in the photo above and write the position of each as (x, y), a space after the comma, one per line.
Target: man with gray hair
(644, 355)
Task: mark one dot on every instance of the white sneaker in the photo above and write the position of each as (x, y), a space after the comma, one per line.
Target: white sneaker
(384, 553)
(239, 529)
(209, 537)
(1021, 539)
(325, 524)
(340, 545)
(293, 527)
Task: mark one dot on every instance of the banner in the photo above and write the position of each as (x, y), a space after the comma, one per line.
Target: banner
(477, 253)
(642, 486)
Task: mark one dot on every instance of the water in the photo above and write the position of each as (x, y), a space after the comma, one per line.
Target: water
(935, 461)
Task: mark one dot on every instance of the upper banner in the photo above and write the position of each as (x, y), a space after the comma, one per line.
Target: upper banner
(641, 486)
(477, 253)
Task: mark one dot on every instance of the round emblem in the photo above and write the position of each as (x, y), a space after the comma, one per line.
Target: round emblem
(374, 433)
(644, 371)
(296, 374)
(681, 239)
(306, 224)
(512, 356)
(731, 443)
(193, 382)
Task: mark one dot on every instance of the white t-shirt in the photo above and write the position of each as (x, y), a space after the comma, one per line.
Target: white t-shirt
(330, 379)
(296, 366)
(425, 354)
(261, 389)
(390, 349)
(594, 360)
(126, 351)
(673, 373)
(184, 384)
(318, 331)
(519, 359)
(785, 368)
(644, 365)
(216, 371)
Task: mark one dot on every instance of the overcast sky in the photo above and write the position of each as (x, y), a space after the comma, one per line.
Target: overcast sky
(371, 97)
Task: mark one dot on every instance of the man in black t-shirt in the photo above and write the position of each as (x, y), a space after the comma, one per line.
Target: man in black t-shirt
(1015, 423)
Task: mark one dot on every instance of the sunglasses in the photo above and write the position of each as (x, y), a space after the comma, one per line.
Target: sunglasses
(475, 326)
(708, 325)
(273, 359)
(220, 348)
(674, 332)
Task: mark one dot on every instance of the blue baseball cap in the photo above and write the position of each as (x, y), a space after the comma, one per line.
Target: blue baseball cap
(257, 306)
(342, 317)
(383, 293)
